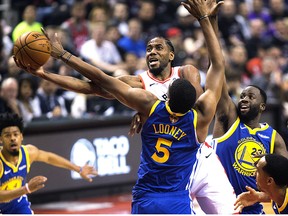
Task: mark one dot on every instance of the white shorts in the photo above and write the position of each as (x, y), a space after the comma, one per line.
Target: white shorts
(210, 184)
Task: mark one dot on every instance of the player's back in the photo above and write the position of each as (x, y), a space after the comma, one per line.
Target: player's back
(168, 151)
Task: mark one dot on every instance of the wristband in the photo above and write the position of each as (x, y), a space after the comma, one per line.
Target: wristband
(81, 169)
(66, 59)
(27, 188)
(203, 17)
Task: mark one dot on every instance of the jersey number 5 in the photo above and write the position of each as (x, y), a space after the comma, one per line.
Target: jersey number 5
(162, 154)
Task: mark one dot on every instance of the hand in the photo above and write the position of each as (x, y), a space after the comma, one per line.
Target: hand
(36, 183)
(86, 171)
(57, 49)
(199, 8)
(36, 72)
(246, 199)
(56, 112)
(135, 125)
(214, 7)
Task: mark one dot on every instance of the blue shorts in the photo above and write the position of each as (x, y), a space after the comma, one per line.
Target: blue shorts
(163, 203)
(20, 205)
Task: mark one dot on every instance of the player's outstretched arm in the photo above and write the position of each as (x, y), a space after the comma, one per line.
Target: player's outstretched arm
(58, 161)
(34, 184)
(207, 102)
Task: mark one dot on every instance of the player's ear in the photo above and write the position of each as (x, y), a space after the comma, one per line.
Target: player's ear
(262, 107)
(171, 56)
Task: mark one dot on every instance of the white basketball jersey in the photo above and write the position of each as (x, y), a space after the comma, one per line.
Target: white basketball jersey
(159, 87)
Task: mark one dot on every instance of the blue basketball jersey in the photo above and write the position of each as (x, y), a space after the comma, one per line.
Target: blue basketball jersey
(282, 209)
(169, 150)
(236, 149)
(13, 177)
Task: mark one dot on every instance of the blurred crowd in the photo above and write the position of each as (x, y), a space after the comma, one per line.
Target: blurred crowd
(112, 35)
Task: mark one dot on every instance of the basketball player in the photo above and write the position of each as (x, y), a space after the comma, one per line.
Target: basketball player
(238, 136)
(15, 162)
(169, 128)
(272, 179)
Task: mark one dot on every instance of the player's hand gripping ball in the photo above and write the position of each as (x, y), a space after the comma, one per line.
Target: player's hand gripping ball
(32, 49)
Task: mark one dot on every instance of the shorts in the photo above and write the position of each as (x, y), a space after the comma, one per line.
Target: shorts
(210, 184)
(163, 203)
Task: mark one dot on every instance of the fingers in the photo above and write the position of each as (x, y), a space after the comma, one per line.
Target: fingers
(139, 128)
(16, 61)
(45, 33)
(135, 125)
(250, 189)
(238, 207)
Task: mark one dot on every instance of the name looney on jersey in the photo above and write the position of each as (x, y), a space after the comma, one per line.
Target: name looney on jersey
(175, 132)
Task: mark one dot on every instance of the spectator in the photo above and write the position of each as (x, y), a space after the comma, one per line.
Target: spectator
(278, 9)
(151, 25)
(12, 69)
(236, 62)
(279, 35)
(260, 11)
(120, 16)
(185, 22)
(237, 31)
(77, 25)
(89, 106)
(175, 35)
(257, 38)
(101, 52)
(29, 23)
(29, 103)
(8, 96)
(97, 14)
(52, 105)
(133, 42)
(269, 80)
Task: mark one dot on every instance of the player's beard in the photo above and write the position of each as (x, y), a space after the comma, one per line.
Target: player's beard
(250, 115)
(14, 152)
(156, 71)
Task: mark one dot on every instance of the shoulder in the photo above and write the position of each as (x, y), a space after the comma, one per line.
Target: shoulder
(187, 70)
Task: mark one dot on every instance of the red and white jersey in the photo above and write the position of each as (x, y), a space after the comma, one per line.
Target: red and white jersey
(159, 87)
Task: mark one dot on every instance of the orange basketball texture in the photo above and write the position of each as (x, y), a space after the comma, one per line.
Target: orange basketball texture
(33, 49)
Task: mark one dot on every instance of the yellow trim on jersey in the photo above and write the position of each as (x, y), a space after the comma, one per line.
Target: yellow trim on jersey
(14, 168)
(27, 158)
(171, 112)
(285, 203)
(229, 132)
(2, 169)
(255, 130)
(195, 118)
(154, 107)
(272, 146)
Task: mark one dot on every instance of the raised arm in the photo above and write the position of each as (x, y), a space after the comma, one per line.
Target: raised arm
(206, 104)
(225, 105)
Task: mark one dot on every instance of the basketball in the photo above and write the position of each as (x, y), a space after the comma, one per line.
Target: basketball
(32, 49)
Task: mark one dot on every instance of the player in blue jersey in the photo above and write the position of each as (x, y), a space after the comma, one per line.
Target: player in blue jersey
(15, 164)
(272, 180)
(172, 130)
(239, 136)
